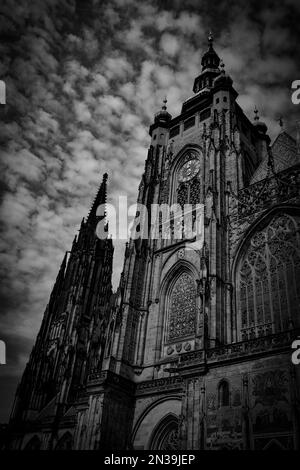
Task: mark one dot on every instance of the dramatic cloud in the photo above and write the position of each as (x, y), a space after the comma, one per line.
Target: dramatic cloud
(84, 80)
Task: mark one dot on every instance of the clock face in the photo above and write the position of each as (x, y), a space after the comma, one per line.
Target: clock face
(189, 170)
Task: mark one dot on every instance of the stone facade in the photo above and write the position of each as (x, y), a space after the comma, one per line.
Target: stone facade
(193, 351)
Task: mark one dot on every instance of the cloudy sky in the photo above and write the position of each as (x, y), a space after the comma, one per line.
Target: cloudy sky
(83, 83)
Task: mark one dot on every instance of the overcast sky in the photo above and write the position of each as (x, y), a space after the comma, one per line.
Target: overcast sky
(83, 84)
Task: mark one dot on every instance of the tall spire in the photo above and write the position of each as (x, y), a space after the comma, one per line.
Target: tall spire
(99, 199)
(210, 68)
(210, 59)
(58, 283)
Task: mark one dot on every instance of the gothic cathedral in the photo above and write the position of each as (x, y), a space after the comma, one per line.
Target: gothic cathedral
(193, 350)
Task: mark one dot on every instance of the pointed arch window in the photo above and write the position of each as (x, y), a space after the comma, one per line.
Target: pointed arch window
(181, 308)
(269, 277)
(189, 193)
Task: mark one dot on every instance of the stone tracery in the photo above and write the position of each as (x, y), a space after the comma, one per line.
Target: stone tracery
(182, 308)
(268, 278)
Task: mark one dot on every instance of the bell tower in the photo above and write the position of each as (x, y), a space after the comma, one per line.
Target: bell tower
(189, 160)
(176, 297)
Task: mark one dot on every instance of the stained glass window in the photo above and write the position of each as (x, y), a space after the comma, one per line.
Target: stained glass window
(189, 193)
(182, 308)
(166, 436)
(268, 279)
(182, 194)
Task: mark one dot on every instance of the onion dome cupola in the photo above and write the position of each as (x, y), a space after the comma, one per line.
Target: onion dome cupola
(162, 118)
(163, 115)
(210, 68)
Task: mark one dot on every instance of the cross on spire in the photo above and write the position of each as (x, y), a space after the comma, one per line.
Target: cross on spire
(222, 65)
(164, 106)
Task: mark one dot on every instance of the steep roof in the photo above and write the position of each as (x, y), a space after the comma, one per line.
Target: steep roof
(284, 151)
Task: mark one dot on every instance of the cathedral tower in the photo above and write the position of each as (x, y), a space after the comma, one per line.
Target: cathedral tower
(71, 341)
(197, 317)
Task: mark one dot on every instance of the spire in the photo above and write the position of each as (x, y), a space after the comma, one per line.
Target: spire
(210, 39)
(58, 282)
(99, 199)
(210, 68)
(74, 241)
(62, 269)
(210, 59)
(222, 67)
(164, 106)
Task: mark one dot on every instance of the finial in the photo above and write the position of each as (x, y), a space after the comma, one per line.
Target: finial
(222, 65)
(210, 38)
(164, 106)
(280, 122)
(99, 199)
(256, 117)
